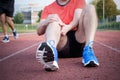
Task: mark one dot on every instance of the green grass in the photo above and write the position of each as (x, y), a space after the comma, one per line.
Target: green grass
(27, 28)
(109, 26)
(21, 28)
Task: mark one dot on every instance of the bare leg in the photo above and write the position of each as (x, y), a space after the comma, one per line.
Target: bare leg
(86, 32)
(46, 52)
(3, 21)
(10, 22)
(54, 30)
(87, 25)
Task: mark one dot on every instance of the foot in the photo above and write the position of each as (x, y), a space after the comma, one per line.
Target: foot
(89, 59)
(15, 34)
(6, 39)
(47, 55)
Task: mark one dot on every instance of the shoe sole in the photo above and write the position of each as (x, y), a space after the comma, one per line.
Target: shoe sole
(6, 41)
(51, 67)
(90, 64)
(45, 56)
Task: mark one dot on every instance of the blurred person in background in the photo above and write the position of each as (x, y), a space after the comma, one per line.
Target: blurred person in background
(6, 14)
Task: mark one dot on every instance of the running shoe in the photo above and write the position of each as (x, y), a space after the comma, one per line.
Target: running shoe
(6, 39)
(89, 59)
(15, 34)
(47, 55)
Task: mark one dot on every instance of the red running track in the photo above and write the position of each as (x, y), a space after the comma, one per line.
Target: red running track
(17, 60)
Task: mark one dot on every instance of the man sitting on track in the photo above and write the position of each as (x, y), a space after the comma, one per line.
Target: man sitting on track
(69, 27)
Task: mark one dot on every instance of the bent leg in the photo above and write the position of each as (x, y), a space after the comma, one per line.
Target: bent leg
(86, 32)
(46, 52)
(53, 33)
(87, 25)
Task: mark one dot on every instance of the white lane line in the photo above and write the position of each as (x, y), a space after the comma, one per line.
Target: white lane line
(18, 52)
(114, 49)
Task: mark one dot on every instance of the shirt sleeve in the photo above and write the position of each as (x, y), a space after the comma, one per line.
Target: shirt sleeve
(44, 13)
(80, 4)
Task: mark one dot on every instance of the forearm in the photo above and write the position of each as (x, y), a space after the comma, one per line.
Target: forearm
(76, 18)
(74, 23)
(41, 27)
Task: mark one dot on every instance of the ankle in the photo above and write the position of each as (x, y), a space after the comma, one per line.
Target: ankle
(14, 30)
(52, 43)
(6, 36)
(89, 44)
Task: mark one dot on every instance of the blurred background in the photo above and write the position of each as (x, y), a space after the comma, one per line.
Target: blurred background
(28, 12)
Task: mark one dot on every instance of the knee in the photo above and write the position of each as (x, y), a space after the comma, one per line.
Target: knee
(2, 21)
(54, 23)
(8, 19)
(54, 26)
(90, 8)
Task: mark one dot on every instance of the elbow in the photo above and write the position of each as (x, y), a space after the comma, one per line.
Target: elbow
(39, 32)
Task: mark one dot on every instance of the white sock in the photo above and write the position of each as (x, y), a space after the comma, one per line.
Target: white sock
(52, 42)
(90, 44)
(6, 35)
(14, 30)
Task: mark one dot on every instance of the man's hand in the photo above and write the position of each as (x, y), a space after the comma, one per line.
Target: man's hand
(65, 29)
(53, 18)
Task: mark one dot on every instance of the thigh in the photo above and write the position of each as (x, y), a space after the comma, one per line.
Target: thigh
(80, 33)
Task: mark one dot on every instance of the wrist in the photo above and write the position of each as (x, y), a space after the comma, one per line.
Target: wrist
(70, 26)
(45, 23)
